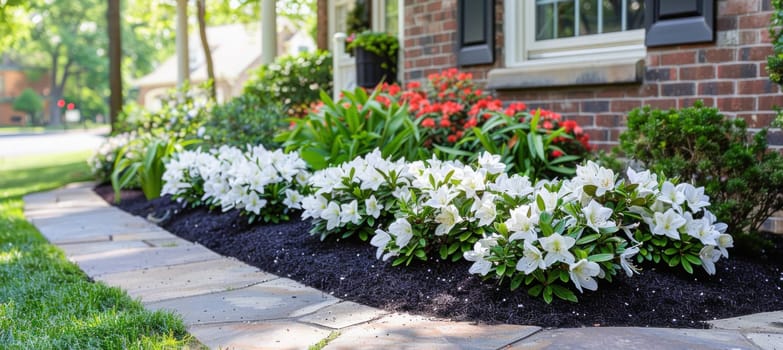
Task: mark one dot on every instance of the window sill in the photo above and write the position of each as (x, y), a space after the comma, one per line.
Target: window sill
(554, 73)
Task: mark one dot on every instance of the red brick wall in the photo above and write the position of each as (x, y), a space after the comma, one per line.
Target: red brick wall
(729, 74)
(15, 82)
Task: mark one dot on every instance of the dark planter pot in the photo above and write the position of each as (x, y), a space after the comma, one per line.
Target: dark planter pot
(370, 69)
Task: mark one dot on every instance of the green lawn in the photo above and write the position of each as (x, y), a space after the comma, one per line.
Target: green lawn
(40, 129)
(46, 302)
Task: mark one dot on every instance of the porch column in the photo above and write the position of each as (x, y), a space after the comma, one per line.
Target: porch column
(183, 61)
(268, 31)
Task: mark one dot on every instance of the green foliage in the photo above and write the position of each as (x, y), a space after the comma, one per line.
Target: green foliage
(353, 126)
(246, 119)
(294, 81)
(381, 44)
(183, 112)
(29, 102)
(143, 161)
(699, 145)
(525, 146)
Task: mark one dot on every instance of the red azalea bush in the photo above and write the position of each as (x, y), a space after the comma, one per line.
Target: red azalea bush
(449, 104)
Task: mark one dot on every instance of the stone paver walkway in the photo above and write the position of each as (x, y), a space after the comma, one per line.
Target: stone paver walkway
(230, 305)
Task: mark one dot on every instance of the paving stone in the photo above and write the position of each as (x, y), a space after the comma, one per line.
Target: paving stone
(172, 241)
(343, 314)
(276, 299)
(259, 335)
(187, 279)
(78, 249)
(156, 234)
(634, 338)
(403, 331)
(767, 341)
(766, 322)
(130, 259)
(54, 211)
(90, 226)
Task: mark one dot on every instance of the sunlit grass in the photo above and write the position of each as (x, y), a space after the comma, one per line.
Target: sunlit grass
(46, 302)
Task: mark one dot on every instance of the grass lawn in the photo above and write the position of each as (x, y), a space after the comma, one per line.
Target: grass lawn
(46, 302)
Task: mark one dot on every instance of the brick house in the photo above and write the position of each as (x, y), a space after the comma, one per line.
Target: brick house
(529, 50)
(625, 54)
(13, 80)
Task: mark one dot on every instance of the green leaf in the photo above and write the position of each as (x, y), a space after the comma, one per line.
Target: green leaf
(501, 269)
(588, 239)
(517, 281)
(692, 259)
(564, 293)
(421, 254)
(686, 265)
(674, 261)
(535, 290)
(600, 257)
(671, 251)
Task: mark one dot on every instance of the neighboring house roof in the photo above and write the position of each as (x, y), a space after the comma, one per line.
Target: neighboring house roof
(235, 48)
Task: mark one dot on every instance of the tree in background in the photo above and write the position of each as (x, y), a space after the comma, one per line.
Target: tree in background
(31, 103)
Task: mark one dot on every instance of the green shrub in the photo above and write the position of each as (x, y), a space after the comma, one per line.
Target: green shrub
(355, 125)
(701, 146)
(143, 161)
(183, 112)
(294, 81)
(246, 119)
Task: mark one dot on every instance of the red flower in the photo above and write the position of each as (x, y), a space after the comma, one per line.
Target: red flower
(471, 123)
(61, 103)
(413, 85)
(428, 123)
(557, 154)
(452, 138)
(70, 106)
(445, 122)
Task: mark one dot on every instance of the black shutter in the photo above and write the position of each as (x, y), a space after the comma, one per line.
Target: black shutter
(671, 22)
(475, 32)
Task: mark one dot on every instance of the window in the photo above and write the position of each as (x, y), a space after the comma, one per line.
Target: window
(564, 29)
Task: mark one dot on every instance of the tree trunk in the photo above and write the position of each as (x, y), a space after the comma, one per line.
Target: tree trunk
(115, 62)
(54, 110)
(202, 31)
(322, 26)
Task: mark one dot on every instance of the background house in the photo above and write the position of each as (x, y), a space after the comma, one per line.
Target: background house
(236, 52)
(13, 80)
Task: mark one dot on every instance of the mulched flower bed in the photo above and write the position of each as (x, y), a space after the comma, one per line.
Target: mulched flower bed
(659, 297)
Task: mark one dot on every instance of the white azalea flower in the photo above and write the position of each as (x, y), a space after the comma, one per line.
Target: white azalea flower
(293, 199)
(522, 222)
(332, 215)
(350, 213)
(253, 203)
(440, 197)
(668, 223)
(472, 182)
(478, 256)
(671, 195)
(485, 209)
(373, 208)
(491, 162)
(701, 229)
(597, 216)
(557, 247)
(709, 256)
(625, 261)
(402, 230)
(549, 199)
(647, 181)
(313, 206)
(515, 186)
(380, 240)
(582, 274)
(695, 197)
(447, 218)
(725, 241)
(532, 259)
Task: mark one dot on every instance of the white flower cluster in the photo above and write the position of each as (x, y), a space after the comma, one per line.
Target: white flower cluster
(579, 205)
(230, 178)
(102, 161)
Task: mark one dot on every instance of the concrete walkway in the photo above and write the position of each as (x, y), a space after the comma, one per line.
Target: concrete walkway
(228, 304)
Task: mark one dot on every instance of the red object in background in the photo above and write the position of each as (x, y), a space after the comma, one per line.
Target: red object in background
(61, 103)
(70, 106)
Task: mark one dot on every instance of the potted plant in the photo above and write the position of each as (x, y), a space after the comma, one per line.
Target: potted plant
(376, 58)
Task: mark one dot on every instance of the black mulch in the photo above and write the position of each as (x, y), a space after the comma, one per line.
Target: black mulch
(659, 297)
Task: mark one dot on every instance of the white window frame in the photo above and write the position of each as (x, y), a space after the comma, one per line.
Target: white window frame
(523, 50)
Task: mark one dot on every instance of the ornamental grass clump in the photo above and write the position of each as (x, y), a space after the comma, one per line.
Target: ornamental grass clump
(102, 161)
(261, 184)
